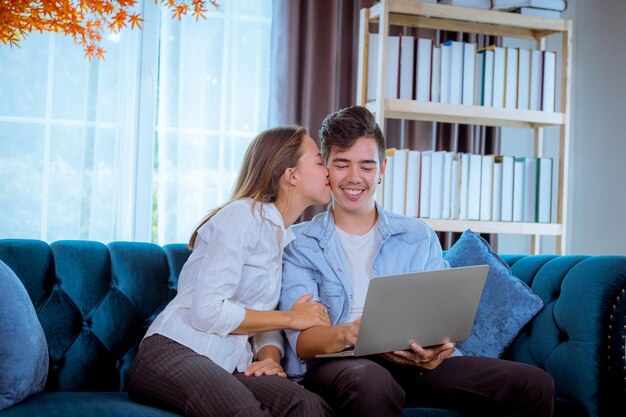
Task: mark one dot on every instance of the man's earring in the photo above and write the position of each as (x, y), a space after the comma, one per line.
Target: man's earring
(380, 180)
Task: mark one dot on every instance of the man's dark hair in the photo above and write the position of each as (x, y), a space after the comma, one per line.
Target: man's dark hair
(340, 130)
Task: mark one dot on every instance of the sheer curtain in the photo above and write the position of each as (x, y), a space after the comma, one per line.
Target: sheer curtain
(213, 98)
(139, 146)
(66, 134)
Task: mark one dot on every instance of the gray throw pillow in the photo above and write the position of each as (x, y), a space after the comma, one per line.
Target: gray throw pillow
(506, 304)
(23, 347)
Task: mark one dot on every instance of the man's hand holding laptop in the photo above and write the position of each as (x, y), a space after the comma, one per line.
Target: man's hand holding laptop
(428, 357)
(425, 357)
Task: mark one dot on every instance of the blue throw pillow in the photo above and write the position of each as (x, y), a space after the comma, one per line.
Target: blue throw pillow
(23, 347)
(506, 305)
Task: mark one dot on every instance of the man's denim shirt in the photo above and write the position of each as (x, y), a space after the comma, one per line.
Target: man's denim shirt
(315, 263)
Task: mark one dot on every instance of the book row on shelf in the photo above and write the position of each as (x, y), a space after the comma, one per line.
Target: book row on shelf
(544, 8)
(456, 73)
(450, 185)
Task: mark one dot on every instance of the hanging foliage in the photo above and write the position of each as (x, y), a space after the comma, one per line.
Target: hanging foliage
(84, 20)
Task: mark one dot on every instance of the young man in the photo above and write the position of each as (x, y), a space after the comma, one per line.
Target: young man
(336, 254)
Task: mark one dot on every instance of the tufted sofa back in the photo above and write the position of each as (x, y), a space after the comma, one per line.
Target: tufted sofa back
(578, 336)
(95, 303)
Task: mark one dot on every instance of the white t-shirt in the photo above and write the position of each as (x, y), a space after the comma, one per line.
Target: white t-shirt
(360, 253)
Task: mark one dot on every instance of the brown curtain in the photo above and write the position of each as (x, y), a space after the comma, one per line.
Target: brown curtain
(313, 58)
(314, 62)
(314, 71)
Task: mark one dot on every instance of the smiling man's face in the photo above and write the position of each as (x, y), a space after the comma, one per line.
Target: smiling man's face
(354, 175)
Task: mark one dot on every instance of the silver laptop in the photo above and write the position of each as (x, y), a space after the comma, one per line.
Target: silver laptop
(428, 308)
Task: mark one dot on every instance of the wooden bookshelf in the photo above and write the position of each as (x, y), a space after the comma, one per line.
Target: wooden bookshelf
(459, 19)
(521, 228)
(464, 114)
(464, 19)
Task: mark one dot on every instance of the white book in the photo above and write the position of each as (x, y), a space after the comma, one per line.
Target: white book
(530, 189)
(436, 185)
(424, 68)
(392, 66)
(446, 205)
(508, 166)
(523, 80)
(446, 59)
(533, 11)
(496, 201)
(388, 181)
(559, 5)
(474, 189)
(399, 181)
(479, 78)
(407, 64)
(518, 190)
(510, 87)
(455, 181)
(499, 72)
(549, 81)
(469, 72)
(372, 66)
(425, 184)
(456, 73)
(435, 83)
(488, 82)
(536, 79)
(413, 183)
(544, 190)
(465, 163)
(486, 187)
(475, 4)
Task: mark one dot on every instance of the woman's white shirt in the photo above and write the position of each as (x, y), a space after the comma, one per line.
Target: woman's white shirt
(236, 264)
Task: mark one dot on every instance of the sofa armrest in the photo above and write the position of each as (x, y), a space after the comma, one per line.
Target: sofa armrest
(578, 337)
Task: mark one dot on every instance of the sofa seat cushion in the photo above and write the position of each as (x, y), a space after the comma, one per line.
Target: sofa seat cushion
(83, 404)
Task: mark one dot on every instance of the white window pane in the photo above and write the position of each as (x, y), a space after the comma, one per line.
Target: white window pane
(116, 77)
(91, 90)
(190, 73)
(213, 95)
(71, 80)
(68, 176)
(252, 8)
(83, 139)
(249, 90)
(23, 77)
(106, 183)
(69, 142)
(21, 179)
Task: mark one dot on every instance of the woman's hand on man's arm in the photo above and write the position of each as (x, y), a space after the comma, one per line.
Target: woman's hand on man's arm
(302, 315)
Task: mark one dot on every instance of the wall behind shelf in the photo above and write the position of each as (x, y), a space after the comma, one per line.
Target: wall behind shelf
(597, 180)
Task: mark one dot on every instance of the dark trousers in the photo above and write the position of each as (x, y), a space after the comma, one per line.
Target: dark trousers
(169, 375)
(471, 386)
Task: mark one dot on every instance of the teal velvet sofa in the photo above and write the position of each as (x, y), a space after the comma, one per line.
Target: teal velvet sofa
(96, 301)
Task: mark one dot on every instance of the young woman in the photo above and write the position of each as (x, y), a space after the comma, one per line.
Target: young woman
(212, 351)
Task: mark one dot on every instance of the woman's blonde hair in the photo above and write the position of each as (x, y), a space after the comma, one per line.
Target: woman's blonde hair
(268, 156)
